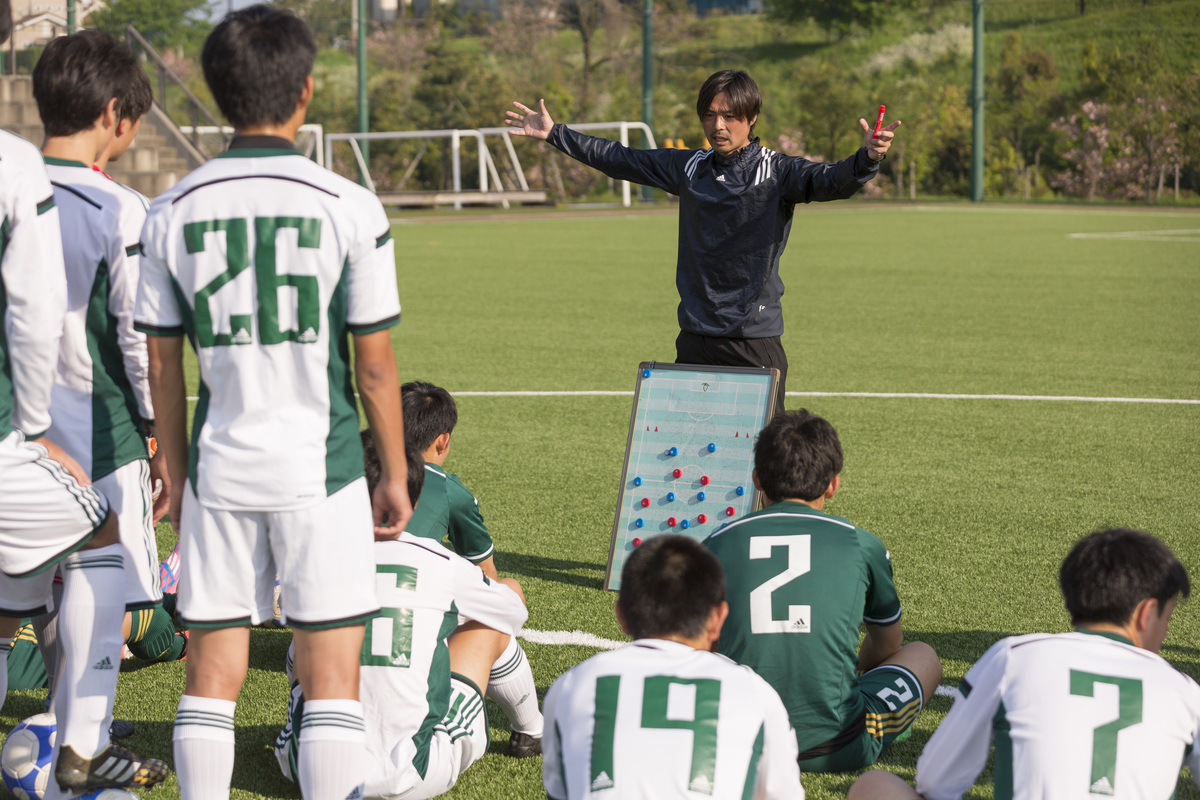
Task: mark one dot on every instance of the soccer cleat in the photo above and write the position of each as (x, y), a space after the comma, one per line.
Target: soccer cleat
(114, 766)
(522, 745)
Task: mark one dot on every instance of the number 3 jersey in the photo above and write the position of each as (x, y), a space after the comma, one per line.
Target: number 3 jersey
(267, 261)
(658, 719)
(800, 583)
(1073, 715)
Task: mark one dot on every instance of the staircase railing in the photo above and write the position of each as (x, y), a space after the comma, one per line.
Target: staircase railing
(166, 77)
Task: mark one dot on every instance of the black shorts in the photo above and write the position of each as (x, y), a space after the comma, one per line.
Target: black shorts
(724, 351)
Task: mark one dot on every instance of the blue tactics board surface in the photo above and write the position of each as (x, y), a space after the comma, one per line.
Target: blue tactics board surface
(690, 453)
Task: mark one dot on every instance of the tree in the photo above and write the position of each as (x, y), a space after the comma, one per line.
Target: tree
(589, 18)
(838, 15)
(831, 101)
(163, 23)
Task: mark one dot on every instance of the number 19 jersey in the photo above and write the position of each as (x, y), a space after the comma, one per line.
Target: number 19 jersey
(267, 261)
(658, 719)
(1074, 716)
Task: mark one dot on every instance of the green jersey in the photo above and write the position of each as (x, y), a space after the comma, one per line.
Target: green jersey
(800, 581)
(446, 508)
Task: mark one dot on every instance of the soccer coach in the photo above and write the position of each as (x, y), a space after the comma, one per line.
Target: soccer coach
(736, 201)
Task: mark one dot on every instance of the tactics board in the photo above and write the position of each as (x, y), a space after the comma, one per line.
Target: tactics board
(690, 453)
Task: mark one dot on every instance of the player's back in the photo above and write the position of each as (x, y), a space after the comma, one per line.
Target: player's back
(96, 414)
(447, 508)
(405, 678)
(1074, 715)
(800, 582)
(658, 719)
(267, 261)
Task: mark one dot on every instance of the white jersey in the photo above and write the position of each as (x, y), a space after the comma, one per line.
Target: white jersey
(1074, 715)
(405, 679)
(267, 261)
(101, 393)
(33, 288)
(657, 719)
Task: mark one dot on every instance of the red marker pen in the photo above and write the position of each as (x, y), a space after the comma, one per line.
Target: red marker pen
(879, 122)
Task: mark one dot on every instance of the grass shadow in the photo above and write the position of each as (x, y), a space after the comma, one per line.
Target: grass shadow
(555, 570)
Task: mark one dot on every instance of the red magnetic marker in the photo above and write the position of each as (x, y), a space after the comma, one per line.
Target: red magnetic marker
(879, 122)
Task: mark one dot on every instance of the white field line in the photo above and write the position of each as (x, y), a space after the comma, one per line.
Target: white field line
(1181, 235)
(879, 395)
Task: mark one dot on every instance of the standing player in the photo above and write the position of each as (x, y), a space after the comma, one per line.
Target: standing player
(425, 662)
(269, 263)
(736, 202)
(663, 717)
(48, 512)
(448, 510)
(100, 402)
(801, 582)
(1074, 715)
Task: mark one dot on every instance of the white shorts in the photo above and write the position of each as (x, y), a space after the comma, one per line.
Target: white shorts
(128, 493)
(45, 515)
(458, 741)
(323, 555)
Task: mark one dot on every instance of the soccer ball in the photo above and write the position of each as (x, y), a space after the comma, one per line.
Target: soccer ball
(25, 757)
(108, 794)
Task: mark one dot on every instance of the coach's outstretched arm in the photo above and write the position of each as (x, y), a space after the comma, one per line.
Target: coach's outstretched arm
(662, 169)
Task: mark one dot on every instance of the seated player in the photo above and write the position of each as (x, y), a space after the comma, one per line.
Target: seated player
(663, 716)
(449, 510)
(49, 514)
(801, 581)
(1074, 715)
(424, 669)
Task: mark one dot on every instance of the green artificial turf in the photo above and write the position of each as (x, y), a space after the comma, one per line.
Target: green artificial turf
(977, 499)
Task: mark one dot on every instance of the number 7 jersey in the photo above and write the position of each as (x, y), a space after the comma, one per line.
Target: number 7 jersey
(1073, 715)
(267, 261)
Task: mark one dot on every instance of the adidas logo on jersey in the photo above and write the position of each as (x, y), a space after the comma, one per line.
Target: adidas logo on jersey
(721, 178)
(400, 661)
(103, 663)
(356, 794)
(1102, 786)
(602, 782)
(700, 784)
(308, 337)
(242, 337)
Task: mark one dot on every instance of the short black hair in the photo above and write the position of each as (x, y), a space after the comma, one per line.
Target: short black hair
(739, 89)
(134, 94)
(372, 467)
(78, 75)
(255, 63)
(429, 411)
(796, 456)
(6, 22)
(669, 586)
(1109, 572)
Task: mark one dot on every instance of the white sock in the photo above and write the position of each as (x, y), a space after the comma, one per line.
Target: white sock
(204, 747)
(5, 646)
(333, 749)
(89, 635)
(511, 686)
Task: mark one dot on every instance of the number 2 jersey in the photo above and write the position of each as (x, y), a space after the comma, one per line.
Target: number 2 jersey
(267, 261)
(1073, 715)
(658, 719)
(800, 582)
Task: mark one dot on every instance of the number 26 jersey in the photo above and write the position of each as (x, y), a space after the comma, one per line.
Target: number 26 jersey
(267, 261)
(1073, 715)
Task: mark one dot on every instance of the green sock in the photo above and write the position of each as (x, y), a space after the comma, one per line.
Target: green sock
(152, 635)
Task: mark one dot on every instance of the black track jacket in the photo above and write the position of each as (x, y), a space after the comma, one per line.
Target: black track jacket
(735, 215)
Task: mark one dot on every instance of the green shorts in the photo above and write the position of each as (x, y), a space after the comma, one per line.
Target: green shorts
(892, 698)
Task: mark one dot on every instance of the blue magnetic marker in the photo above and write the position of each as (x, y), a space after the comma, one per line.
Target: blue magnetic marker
(674, 451)
(670, 497)
(639, 522)
(712, 447)
(741, 490)
(684, 524)
(700, 495)
(637, 481)
(645, 373)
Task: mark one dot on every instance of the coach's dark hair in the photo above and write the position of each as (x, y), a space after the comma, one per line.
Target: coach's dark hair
(796, 456)
(739, 89)
(255, 63)
(6, 22)
(669, 586)
(1108, 573)
(429, 411)
(78, 75)
(373, 469)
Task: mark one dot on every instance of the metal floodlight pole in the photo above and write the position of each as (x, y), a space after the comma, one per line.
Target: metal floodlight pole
(70, 16)
(364, 117)
(647, 80)
(977, 100)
